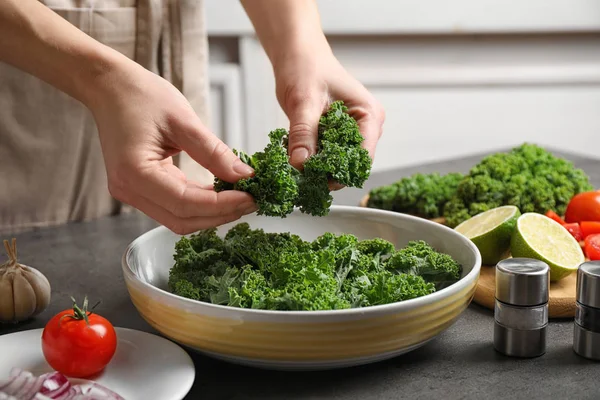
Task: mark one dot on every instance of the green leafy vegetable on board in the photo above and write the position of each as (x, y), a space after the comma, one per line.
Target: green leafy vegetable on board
(528, 176)
(250, 268)
(423, 195)
(278, 187)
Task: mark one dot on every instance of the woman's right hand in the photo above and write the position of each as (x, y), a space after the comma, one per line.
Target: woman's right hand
(143, 121)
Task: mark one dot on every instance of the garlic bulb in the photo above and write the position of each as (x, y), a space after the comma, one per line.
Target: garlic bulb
(24, 291)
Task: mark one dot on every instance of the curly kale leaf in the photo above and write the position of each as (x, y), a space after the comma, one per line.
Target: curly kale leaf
(206, 240)
(385, 287)
(260, 249)
(337, 126)
(278, 187)
(309, 284)
(528, 176)
(339, 151)
(335, 242)
(251, 268)
(339, 158)
(196, 259)
(419, 258)
(274, 184)
(185, 288)
(314, 194)
(377, 246)
(423, 195)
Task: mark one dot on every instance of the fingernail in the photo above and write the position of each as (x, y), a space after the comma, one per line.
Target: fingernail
(249, 209)
(299, 155)
(334, 186)
(242, 168)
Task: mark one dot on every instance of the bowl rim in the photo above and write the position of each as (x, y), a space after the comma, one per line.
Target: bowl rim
(347, 312)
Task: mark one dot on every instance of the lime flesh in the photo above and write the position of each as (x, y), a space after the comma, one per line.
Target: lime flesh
(539, 237)
(491, 231)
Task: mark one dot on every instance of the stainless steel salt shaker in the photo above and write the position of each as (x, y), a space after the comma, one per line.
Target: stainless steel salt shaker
(586, 338)
(521, 307)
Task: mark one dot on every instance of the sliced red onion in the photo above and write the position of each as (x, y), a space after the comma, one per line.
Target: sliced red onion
(23, 385)
(72, 393)
(104, 391)
(55, 385)
(30, 388)
(15, 380)
(40, 396)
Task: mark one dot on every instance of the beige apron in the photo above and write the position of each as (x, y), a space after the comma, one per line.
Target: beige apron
(51, 165)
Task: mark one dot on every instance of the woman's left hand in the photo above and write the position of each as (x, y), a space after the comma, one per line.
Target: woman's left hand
(307, 82)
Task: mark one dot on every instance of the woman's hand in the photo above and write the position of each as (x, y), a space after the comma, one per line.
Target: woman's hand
(307, 74)
(306, 83)
(143, 121)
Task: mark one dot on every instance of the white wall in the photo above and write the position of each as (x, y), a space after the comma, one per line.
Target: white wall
(455, 78)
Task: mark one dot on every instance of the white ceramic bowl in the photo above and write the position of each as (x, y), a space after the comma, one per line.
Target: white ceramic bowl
(304, 339)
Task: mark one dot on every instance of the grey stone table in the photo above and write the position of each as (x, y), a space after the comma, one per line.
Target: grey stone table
(84, 258)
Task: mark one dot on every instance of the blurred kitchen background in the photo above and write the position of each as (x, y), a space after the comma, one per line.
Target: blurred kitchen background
(456, 77)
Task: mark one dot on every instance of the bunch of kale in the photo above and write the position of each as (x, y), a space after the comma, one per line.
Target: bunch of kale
(278, 187)
(423, 195)
(527, 176)
(250, 268)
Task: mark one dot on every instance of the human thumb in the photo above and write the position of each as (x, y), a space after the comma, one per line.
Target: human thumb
(304, 124)
(213, 154)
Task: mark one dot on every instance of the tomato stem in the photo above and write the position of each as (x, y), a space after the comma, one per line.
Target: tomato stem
(81, 313)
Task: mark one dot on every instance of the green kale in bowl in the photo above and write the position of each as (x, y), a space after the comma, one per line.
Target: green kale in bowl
(250, 268)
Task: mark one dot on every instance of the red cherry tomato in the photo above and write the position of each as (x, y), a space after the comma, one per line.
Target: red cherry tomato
(584, 207)
(552, 215)
(592, 247)
(78, 343)
(575, 230)
(590, 227)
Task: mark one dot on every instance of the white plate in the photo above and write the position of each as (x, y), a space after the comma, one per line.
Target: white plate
(144, 366)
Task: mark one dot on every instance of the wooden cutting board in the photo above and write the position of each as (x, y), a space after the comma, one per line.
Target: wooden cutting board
(562, 293)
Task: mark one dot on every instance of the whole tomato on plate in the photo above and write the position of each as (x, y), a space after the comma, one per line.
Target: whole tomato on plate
(584, 207)
(78, 343)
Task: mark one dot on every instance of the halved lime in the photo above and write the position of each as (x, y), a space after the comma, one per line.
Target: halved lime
(491, 232)
(542, 238)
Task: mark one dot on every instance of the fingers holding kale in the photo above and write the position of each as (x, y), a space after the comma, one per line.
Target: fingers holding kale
(278, 187)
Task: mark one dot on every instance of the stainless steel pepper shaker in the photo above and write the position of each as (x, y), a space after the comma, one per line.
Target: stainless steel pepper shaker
(586, 337)
(521, 307)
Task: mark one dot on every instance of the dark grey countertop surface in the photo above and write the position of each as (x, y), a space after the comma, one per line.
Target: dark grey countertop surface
(84, 259)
